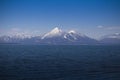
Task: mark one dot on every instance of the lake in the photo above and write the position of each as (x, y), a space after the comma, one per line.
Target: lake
(59, 62)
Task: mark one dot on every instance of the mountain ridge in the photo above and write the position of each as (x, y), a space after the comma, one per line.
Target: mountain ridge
(58, 37)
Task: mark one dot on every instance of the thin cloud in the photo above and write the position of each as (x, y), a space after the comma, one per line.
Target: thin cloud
(100, 26)
(108, 28)
(113, 28)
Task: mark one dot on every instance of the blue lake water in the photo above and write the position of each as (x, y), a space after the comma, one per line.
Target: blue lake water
(64, 62)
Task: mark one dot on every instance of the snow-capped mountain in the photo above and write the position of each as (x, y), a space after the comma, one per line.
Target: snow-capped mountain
(57, 36)
(10, 39)
(111, 39)
(19, 40)
(73, 35)
(53, 33)
(16, 38)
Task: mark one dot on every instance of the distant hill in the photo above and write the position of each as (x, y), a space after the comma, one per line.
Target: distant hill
(111, 39)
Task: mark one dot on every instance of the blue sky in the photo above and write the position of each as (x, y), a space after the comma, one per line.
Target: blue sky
(91, 17)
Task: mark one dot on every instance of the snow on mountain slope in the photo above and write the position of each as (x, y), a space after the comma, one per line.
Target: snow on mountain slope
(55, 32)
(55, 36)
(73, 35)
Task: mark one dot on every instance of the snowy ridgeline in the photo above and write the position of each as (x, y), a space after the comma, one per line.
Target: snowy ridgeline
(57, 36)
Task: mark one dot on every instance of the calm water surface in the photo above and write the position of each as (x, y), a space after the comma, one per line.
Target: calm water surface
(42, 62)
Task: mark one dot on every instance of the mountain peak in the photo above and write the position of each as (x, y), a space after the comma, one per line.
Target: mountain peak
(54, 32)
(71, 31)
